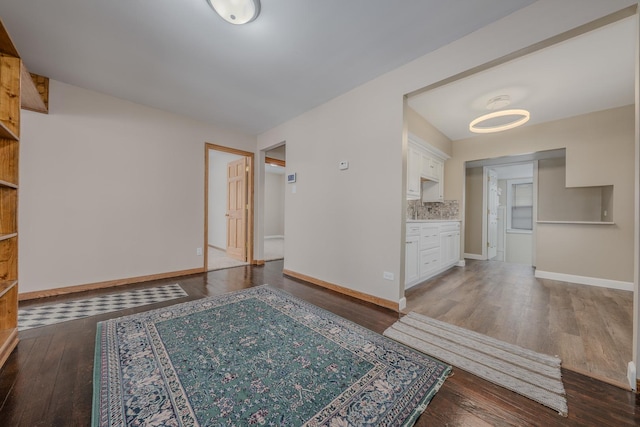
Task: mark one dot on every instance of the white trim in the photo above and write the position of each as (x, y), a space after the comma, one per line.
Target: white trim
(631, 375)
(277, 236)
(402, 304)
(517, 231)
(461, 263)
(475, 256)
(577, 222)
(583, 280)
(485, 190)
(430, 148)
(534, 226)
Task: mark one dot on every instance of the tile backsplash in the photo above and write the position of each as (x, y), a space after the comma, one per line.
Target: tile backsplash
(449, 209)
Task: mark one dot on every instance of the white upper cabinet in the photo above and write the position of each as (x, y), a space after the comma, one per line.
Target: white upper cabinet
(414, 166)
(425, 171)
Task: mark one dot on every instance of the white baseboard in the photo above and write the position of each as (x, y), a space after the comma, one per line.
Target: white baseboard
(583, 280)
(474, 256)
(631, 375)
(277, 236)
(461, 263)
(402, 304)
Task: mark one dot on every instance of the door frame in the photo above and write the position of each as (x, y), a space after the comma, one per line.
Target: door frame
(485, 191)
(250, 199)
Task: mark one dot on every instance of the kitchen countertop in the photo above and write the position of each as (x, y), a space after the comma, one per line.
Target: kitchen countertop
(433, 220)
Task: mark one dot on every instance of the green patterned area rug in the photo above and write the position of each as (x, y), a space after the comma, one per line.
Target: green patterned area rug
(255, 357)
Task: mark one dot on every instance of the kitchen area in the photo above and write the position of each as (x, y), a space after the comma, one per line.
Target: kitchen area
(433, 224)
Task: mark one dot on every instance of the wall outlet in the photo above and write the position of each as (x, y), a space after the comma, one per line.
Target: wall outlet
(199, 251)
(387, 275)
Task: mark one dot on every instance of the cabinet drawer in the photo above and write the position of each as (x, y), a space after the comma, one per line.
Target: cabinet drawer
(429, 261)
(429, 236)
(449, 227)
(413, 229)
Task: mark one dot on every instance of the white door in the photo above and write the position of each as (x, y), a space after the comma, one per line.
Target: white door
(492, 214)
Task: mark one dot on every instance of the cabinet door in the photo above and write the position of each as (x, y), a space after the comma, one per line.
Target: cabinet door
(430, 167)
(444, 249)
(429, 262)
(455, 252)
(412, 265)
(449, 248)
(414, 164)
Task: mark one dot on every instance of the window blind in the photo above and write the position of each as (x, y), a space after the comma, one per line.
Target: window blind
(522, 206)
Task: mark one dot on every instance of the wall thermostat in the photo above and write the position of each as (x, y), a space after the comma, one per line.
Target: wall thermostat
(291, 177)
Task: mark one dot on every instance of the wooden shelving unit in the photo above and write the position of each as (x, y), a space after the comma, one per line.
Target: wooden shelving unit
(16, 87)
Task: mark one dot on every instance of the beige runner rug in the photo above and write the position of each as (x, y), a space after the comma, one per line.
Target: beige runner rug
(533, 375)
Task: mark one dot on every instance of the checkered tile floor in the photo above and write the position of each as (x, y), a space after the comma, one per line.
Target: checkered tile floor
(33, 317)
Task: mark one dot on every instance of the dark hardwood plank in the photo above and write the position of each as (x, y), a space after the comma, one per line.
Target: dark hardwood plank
(48, 379)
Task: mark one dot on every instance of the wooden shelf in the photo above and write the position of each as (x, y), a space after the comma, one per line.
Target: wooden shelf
(8, 341)
(12, 86)
(8, 184)
(8, 236)
(30, 98)
(6, 44)
(6, 133)
(6, 286)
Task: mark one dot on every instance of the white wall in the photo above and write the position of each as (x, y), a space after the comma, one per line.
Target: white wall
(519, 248)
(274, 188)
(359, 213)
(110, 190)
(217, 225)
(600, 148)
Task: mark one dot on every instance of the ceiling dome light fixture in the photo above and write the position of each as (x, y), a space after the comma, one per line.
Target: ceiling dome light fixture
(495, 103)
(524, 118)
(236, 11)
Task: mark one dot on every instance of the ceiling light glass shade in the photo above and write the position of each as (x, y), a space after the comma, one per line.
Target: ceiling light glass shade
(236, 11)
(524, 118)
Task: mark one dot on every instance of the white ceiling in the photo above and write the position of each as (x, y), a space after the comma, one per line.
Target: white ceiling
(588, 73)
(180, 56)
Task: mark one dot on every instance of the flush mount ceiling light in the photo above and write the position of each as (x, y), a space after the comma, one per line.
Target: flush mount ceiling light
(236, 11)
(520, 116)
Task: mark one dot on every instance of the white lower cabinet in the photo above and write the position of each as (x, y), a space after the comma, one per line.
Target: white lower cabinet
(450, 244)
(431, 248)
(429, 262)
(412, 267)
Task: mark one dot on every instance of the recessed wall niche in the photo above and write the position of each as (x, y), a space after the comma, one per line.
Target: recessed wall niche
(557, 202)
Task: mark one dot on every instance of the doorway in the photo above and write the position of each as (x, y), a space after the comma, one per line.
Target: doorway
(510, 212)
(539, 306)
(228, 207)
(274, 194)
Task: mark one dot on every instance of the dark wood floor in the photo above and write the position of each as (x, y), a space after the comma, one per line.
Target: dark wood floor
(47, 381)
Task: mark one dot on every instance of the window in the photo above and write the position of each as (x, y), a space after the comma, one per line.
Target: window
(520, 204)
